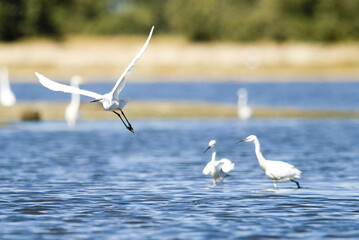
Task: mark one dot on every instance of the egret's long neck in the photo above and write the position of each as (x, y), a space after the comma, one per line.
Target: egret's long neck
(242, 101)
(214, 152)
(75, 98)
(261, 159)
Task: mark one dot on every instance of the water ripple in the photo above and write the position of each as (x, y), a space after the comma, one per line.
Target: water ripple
(62, 185)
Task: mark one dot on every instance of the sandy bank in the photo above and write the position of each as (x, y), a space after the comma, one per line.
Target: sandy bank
(169, 59)
(134, 110)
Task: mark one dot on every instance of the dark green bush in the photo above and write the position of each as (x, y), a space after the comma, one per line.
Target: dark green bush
(198, 20)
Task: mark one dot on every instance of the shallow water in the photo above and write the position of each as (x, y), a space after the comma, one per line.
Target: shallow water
(314, 95)
(101, 181)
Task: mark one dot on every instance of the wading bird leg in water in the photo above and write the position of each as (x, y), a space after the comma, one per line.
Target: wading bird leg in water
(296, 183)
(274, 170)
(129, 127)
(217, 169)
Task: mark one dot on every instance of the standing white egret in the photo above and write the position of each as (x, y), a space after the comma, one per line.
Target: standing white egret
(218, 169)
(275, 170)
(244, 111)
(72, 110)
(110, 101)
(7, 97)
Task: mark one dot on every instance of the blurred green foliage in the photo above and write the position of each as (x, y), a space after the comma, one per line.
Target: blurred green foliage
(198, 20)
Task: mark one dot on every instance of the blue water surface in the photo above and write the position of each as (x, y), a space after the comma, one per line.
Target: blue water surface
(103, 182)
(313, 95)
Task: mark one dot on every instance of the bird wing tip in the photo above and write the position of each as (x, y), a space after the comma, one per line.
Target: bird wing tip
(39, 76)
(153, 27)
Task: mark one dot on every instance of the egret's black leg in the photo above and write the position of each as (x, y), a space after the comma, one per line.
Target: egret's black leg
(125, 117)
(120, 118)
(296, 183)
(129, 124)
(128, 127)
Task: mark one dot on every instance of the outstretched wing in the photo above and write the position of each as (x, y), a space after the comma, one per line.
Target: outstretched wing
(54, 86)
(120, 84)
(227, 165)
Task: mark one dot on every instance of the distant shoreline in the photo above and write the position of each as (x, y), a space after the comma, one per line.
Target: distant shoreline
(170, 59)
(49, 111)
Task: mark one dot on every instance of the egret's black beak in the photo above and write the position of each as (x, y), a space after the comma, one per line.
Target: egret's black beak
(96, 100)
(206, 149)
(243, 140)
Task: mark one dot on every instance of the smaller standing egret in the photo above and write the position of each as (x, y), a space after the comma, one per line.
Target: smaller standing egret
(72, 110)
(110, 101)
(275, 170)
(218, 169)
(244, 111)
(7, 97)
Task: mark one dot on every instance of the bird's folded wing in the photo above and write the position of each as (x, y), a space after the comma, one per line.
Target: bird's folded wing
(54, 86)
(120, 84)
(280, 170)
(227, 165)
(207, 168)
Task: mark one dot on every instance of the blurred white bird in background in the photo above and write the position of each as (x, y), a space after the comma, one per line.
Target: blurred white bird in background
(72, 110)
(7, 97)
(217, 169)
(110, 101)
(275, 170)
(244, 111)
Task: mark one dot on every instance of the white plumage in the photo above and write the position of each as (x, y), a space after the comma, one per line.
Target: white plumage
(217, 169)
(244, 111)
(7, 97)
(72, 110)
(110, 101)
(274, 170)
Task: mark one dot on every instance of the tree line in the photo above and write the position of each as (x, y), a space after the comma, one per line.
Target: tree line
(197, 20)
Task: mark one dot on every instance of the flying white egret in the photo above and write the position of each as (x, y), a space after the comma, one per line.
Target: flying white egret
(244, 111)
(110, 101)
(72, 110)
(218, 169)
(7, 97)
(275, 170)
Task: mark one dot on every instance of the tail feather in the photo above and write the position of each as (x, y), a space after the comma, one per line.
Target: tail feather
(297, 173)
(123, 102)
